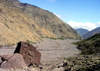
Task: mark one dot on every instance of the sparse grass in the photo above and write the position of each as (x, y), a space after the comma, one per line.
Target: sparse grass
(67, 59)
(31, 42)
(41, 36)
(61, 38)
(53, 38)
(75, 43)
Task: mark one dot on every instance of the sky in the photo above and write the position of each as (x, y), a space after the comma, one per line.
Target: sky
(76, 13)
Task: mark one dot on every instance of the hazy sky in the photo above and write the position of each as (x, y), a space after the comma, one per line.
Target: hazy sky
(76, 13)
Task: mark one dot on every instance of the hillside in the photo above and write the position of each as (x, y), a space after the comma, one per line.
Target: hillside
(17, 25)
(89, 58)
(81, 31)
(47, 20)
(91, 33)
(90, 45)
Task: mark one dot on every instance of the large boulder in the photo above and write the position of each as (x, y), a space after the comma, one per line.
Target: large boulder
(12, 61)
(30, 54)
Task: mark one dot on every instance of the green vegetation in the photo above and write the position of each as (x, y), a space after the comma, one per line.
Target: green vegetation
(31, 42)
(89, 58)
(90, 45)
(75, 43)
(66, 58)
(53, 38)
(84, 63)
(56, 38)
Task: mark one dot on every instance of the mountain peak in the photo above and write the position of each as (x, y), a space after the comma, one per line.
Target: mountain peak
(92, 32)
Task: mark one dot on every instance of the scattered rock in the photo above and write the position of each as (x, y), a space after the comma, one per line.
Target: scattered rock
(0, 60)
(0, 10)
(60, 65)
(58, 69)
(6, 57)
(35, 69)
(40, 67)
(65, 63)
(12, 61)
(30, 54)
(50, 67)
(67, 69)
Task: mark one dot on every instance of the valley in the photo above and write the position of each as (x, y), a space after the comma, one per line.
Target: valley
(52, 52)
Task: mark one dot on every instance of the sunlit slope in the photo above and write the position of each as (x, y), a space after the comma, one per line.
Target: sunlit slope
(16, 26)
(47, 20)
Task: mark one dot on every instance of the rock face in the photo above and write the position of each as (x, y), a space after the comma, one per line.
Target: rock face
(12, 61)
(29, 53)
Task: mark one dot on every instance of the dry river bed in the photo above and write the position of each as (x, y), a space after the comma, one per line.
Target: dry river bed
(52, 51)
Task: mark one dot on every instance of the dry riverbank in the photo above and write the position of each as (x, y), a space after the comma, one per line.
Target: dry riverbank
(52, 51)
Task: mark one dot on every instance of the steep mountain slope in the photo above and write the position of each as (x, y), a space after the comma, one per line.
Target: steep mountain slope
(82, 31)
(91, 33)
(16, 26)
(47, 20)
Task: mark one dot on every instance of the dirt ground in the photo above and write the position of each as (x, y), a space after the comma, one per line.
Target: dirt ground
(51, 51)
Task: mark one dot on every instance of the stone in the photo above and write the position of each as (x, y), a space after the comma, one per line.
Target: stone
(6, 57)
(0, 60)
(30, 54)
(58, 69)
(40, 67)
(60, 65)
(65, 63)
(14, 61)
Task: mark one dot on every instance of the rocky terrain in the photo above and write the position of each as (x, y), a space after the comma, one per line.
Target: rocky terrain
(62, 55)
(53, 54)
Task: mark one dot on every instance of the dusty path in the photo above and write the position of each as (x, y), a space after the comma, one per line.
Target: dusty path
(51, 50)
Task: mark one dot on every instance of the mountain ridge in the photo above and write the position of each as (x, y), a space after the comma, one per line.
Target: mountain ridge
(16, 25)
(92, 32)
(82, 31)
(47, 20)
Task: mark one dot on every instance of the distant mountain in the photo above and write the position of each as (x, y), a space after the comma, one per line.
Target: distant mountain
(81, 31)
(22, 22)
(91, 33)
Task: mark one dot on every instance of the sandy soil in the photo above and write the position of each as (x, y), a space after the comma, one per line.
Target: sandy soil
(51, 50)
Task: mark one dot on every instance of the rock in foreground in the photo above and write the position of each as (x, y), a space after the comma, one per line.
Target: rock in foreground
(12, 61)
(30, 54)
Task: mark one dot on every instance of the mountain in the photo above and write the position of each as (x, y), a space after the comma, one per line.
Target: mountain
(91, 33)
(16, 24)
(47, 20)
(81, 31)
